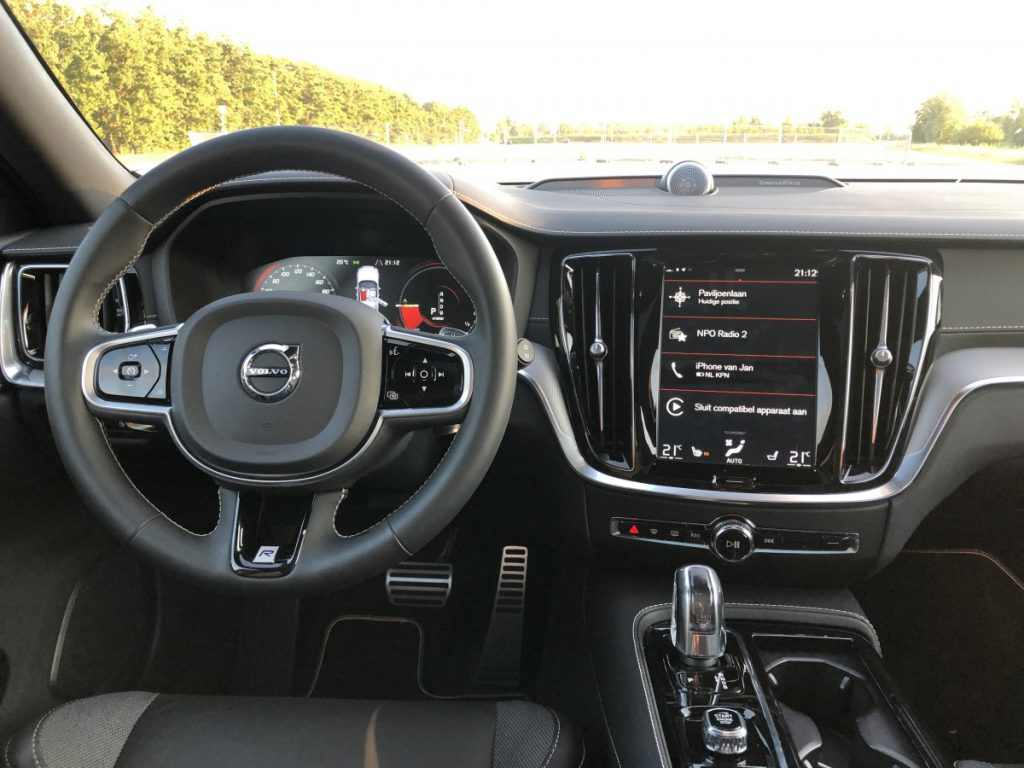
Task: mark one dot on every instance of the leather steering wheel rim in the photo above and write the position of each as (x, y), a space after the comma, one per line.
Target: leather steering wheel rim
(117, 239)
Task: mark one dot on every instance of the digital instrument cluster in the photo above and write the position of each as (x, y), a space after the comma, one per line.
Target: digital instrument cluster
(415, 293)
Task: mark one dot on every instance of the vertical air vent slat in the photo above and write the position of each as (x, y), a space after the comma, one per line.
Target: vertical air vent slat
(899, 350)
(596, 336)
(37, 286)
(893, 312)
(880, 371)
(862, 400)
(597, 344)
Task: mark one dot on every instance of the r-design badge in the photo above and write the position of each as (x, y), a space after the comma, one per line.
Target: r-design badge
(271, 372)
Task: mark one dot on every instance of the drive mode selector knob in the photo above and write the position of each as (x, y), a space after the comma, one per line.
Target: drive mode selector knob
(732, 540)
(724, 731)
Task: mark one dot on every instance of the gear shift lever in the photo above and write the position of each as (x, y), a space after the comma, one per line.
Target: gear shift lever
(698, 630)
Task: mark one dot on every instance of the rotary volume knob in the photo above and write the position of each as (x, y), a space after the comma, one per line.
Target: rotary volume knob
(724, 731)
(732, 540)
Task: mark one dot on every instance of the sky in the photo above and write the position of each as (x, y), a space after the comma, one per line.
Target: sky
(654, 61)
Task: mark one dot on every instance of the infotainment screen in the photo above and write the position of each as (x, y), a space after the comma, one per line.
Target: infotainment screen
(738, 372)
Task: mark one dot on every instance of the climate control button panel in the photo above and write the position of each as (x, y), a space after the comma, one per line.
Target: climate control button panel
(734, 539)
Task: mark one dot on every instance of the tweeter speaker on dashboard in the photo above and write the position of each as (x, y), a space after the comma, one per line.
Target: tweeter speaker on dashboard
(687, 178)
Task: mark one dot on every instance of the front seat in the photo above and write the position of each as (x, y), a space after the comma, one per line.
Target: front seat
(149, 730)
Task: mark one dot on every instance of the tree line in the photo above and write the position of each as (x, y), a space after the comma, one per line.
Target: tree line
(148, 86)
(942, 119)
(830, 126)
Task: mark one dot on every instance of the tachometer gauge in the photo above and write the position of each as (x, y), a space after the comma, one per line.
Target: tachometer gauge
(294, 276)
(431, 300)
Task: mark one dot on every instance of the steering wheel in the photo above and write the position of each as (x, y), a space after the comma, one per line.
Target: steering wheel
(284, 391)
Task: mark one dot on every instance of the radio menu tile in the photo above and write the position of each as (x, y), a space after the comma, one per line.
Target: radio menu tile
(738, 371)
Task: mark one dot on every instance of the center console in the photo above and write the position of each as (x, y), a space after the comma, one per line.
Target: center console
(767, 695)
(721, 396)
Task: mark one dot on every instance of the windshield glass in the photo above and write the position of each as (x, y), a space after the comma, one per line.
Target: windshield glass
(536, 89)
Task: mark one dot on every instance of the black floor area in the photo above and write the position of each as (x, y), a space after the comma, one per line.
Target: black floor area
(952, 626)
(47, 539)
(950, 614)
(369, 658)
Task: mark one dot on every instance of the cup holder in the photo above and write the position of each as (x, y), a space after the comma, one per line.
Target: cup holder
(836, 715)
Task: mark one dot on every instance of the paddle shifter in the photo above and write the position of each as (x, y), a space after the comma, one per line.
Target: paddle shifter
(698, 628)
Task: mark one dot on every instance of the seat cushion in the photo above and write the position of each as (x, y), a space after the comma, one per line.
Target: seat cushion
(146, 730)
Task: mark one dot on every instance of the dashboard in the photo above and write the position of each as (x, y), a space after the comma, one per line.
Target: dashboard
(782, 382)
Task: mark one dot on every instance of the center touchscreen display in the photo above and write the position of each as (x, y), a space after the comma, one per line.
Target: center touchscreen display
(739, 366)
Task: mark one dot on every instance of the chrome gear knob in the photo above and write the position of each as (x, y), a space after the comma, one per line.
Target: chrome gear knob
(698, 625)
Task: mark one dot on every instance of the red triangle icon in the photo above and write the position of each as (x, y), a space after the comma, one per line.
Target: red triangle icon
(634, 530)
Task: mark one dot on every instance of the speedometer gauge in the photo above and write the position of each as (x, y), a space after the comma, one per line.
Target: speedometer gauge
(431, 300)
(294, 276)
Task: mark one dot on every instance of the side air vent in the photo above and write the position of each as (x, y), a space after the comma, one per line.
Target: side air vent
(894, 309)
(37, 286)
(596, 337)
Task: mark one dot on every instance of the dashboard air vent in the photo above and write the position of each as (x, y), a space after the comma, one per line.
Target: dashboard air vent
(596, 337)
(37, 286)
(894, 302)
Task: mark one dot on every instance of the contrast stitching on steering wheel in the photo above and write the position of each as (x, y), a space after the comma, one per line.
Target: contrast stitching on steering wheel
(423, 226)
(152, 228)
(157, 510)
(404, 504)
(342, 495)
(113, 454)
(138, 255)
(422, 485)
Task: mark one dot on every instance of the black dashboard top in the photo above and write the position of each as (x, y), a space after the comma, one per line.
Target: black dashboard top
(899, 210)
(929, 210)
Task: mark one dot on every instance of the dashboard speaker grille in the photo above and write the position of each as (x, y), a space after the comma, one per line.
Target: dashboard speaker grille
(893, 314)
(688, 178)
(596, 337)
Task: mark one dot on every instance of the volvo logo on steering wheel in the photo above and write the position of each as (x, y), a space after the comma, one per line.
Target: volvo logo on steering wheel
(270, 372)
